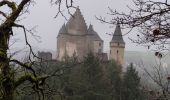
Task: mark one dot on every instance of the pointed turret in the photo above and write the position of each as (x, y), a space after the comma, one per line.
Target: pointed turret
(76, 24)
(117, 36)
(117, 46)
(63, 29)
(95, 41)
(94, 33)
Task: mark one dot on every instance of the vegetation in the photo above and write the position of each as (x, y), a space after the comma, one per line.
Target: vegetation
(9, 80)
(114, 75)
(131, 85)
(72, 80)
(150, 18)
(93, 80)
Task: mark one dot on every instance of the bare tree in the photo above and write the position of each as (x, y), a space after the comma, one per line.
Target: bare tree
(150, 17)
(152, 20)
(8, 82)
(158, 75)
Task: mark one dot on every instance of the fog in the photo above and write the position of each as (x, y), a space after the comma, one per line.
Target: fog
(42, 13)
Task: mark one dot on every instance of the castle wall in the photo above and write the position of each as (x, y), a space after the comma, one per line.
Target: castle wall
(95, 46)
(60, 47)
(71, 44)
(71, 49)
(98, 46)
(45, 55)
(89, 43)
(117, 52)
(75, 38)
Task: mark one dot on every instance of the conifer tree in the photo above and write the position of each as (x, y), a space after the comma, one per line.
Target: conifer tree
(131, 84)
(92, 70)
(87, 80)
(114, 75)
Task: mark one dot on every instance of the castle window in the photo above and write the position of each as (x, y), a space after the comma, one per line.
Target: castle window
(100, 44)
(117, 51)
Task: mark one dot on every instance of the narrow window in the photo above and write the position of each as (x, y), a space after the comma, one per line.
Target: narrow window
(100, 44)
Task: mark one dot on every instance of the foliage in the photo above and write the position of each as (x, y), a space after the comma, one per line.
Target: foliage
(9, 80)
(85, 80)
(92, 71)
(131, 85)
(151, 20)
(91, 80)
(114, 74)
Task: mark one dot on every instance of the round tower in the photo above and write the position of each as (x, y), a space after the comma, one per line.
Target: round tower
(117, 46)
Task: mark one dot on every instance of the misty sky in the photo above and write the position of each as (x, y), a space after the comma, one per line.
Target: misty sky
(42, 15)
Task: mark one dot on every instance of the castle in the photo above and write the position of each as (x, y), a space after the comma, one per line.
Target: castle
(75, 38)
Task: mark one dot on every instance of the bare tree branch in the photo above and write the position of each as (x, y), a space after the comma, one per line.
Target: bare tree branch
(151, 19)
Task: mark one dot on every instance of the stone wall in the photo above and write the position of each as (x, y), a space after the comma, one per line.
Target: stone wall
(117, 52)
(45, 55)
(71, 44)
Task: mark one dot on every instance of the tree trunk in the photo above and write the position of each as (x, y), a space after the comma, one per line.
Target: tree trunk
(6, 73)
(7, 83)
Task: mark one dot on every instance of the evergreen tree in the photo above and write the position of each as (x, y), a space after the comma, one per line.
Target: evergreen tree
(87, 80)
(93, 72)
(114, 75)
(131, 84)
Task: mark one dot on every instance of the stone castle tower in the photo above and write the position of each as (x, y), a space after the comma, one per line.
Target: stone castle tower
(117, 46)
(75, 38)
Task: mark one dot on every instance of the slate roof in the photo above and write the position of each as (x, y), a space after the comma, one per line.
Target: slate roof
(77, 23)
(117, 36)
(63, 29)
(94, 33)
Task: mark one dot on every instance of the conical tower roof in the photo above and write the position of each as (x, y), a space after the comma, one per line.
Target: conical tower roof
(63, 29)
(117, 36)
(94, 33)
(76, 24)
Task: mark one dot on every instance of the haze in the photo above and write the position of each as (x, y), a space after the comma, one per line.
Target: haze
(42, 15)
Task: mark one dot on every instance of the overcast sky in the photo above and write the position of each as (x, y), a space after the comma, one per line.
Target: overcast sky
(42, 15)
